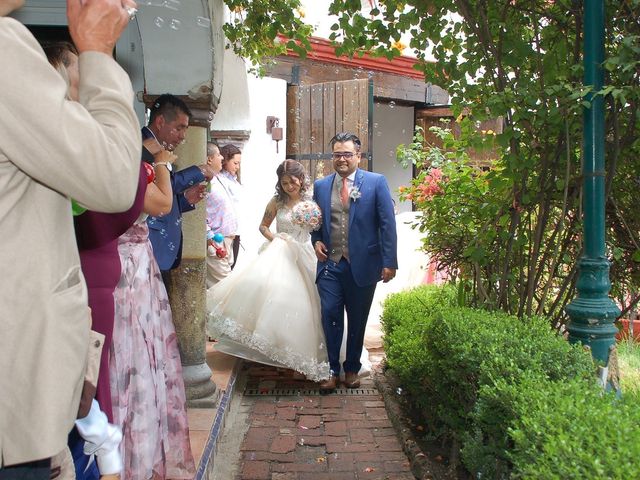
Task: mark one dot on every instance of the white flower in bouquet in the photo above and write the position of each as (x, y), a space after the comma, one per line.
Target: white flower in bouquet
(307, 215)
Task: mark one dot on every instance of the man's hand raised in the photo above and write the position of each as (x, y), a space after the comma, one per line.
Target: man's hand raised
(96, 25)
(195, 194)
(207, 170)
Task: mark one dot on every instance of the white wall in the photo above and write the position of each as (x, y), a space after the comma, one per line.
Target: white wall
(392, 125)
(234, 110)
(267, 97)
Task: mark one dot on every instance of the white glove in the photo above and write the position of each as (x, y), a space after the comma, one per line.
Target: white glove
(102, 439)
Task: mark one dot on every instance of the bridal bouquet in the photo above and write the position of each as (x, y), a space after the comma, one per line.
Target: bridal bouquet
(307, 214)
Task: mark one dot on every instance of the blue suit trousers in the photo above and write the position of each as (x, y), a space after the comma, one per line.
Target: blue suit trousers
(338, 291)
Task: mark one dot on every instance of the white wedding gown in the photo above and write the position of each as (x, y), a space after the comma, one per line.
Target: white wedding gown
(268, 310)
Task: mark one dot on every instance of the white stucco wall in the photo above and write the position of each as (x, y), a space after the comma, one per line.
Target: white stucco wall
(267, 97)
(234, 110)
(392, 125)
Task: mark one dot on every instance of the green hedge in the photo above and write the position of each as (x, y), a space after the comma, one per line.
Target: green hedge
(468, 350)
(404, 320)
(505, 350)
(416, 305)
(494, 384)
(573, 430)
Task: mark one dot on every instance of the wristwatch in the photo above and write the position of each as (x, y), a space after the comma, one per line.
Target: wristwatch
(166, 164)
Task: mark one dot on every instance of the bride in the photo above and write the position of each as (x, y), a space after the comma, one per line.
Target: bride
(269, 310)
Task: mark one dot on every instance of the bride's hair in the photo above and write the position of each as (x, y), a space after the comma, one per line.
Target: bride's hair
(295, 169)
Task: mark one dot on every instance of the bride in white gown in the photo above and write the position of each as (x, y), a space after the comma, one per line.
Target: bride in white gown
(268, 311)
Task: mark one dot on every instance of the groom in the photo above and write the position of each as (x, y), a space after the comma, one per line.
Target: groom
(356, 247)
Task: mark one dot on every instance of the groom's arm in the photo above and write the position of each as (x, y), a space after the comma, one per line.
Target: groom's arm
(387, 222)
(317, 237)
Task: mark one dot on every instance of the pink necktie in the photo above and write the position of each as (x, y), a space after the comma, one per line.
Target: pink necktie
(344, 193)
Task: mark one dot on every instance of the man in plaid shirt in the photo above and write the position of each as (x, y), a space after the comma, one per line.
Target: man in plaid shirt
(221, 218)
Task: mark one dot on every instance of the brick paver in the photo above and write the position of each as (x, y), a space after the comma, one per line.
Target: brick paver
(310, 437)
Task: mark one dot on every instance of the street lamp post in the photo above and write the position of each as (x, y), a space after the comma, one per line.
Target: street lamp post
(592, 312)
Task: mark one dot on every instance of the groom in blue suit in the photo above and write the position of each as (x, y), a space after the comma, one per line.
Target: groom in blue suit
(356, 247)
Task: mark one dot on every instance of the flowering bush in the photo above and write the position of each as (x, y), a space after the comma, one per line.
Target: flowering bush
(307, 214)
(428, 185)
(468, 217)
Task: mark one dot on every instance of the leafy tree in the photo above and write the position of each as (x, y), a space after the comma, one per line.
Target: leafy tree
(262, 29)
(513, 232)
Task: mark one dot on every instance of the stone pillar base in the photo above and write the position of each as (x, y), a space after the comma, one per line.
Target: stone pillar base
(201, 391)
(187, 288)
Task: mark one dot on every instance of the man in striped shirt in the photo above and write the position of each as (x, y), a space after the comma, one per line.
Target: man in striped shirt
(221, 218)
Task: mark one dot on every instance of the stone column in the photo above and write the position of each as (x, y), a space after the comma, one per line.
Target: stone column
(187, 289)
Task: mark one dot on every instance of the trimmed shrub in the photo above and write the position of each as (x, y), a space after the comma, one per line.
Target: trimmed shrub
(520, 400)
(532, 351)
(470, 351)
(404, 320)
(449, 359)
(416, 305)
(574, 430)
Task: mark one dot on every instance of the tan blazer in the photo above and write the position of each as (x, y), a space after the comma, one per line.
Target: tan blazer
(52, 149)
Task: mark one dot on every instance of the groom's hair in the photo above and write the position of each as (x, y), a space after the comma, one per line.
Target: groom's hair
(346, 137)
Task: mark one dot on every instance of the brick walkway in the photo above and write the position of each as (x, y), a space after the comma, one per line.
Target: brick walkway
(305, 436)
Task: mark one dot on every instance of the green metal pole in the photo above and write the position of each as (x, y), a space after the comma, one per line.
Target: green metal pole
(592, 312)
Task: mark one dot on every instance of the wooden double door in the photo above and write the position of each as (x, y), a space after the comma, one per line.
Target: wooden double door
(316, 112)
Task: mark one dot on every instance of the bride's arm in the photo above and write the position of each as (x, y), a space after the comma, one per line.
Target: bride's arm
(267, 220)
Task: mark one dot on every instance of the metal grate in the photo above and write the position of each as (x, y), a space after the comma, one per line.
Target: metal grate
(292, 392)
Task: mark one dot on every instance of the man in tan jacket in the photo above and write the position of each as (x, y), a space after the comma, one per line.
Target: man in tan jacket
(52, 149)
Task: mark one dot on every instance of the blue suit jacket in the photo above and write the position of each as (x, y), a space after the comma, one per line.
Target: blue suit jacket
(165, 232)
(373, 241)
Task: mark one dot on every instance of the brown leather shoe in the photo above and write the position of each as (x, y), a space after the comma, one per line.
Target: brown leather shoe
(329, 384)
(351, 380)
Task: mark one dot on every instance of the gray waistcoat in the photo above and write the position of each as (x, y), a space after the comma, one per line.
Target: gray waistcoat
(339, 224)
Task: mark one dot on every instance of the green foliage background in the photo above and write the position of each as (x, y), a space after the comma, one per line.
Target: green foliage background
(513, 233)
(510, 397)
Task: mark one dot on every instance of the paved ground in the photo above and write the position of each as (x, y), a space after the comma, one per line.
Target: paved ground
(284, 430)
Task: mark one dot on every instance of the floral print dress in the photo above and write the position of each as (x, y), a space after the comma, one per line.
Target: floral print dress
(147, 388)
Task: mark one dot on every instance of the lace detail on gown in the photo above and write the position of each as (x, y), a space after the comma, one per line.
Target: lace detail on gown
(284, 224)
(269, 310)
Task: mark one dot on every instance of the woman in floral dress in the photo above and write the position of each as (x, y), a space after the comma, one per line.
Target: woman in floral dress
(146, 373)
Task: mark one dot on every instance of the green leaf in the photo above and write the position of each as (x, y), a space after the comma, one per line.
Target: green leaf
(617, 253)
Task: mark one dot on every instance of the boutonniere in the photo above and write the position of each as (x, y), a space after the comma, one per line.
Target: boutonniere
(354, 193)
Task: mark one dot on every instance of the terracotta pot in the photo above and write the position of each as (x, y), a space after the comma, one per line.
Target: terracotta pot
(623, 333)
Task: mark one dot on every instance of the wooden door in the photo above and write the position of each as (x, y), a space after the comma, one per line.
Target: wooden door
(315, 113)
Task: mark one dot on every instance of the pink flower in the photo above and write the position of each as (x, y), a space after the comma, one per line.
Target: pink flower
(430, 185)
